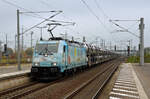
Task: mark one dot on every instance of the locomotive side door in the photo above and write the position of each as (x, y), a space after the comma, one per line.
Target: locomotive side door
(65, 50)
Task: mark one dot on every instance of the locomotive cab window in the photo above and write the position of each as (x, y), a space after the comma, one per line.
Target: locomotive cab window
(46, 48)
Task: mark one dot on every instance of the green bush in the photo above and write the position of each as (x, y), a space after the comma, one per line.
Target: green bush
(6, 61)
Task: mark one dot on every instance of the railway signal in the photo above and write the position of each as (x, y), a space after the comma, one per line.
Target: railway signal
(128, 49)
(5, 48)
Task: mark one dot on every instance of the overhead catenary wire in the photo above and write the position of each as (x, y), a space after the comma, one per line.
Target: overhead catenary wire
(17, 6)
(12, 4)
(31, 13)
(42, 22)
(126, 20)
(48, 6)
(62, 21)
(63, 14)
(28, 11)
(136, 21)
(103, 12)
(39, 11)
(44, 3)
(133, 25)
(126, 30)
(92, 12)
(100, 8)
(26, 14)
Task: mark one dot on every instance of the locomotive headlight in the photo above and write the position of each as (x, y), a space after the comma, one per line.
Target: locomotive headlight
(46, 55)
(36, 64)
(54, 64)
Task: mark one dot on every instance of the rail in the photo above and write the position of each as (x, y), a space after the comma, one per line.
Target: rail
(77, 90)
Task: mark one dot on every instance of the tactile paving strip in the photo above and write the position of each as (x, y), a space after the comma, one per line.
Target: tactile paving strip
(125, 86)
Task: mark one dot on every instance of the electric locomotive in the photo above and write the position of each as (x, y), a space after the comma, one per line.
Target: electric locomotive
(54, 57)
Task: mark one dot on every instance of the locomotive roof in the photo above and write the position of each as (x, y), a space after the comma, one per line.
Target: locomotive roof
(56, 38)
(69, 41)
(61, 39)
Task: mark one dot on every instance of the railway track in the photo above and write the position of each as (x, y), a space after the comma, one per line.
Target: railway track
(26, 89)
(97, 94)
(102, 75)
(29, 88)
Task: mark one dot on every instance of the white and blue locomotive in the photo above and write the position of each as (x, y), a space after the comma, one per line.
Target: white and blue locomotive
(55, 57)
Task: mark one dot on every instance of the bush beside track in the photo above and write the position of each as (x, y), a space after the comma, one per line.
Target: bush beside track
(4, 61)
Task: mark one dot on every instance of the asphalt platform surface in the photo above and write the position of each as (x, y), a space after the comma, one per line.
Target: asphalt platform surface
(14, 68)
(143, 73)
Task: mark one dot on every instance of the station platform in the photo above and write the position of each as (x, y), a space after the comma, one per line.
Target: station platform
(128, 85)
(10, 76)
(12, 71)
(143, 73)
(14, 68)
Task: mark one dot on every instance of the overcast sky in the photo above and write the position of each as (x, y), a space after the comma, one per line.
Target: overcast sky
(89, 24)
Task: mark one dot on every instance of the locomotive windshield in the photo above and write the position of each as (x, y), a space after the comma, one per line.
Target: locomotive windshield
(47, 48)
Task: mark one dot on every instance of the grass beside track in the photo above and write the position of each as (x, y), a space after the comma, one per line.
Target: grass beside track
(136, 59)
